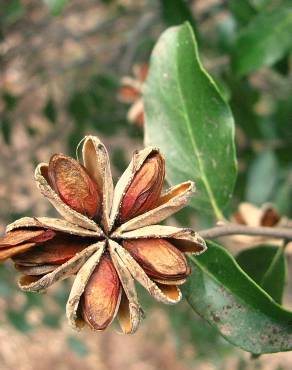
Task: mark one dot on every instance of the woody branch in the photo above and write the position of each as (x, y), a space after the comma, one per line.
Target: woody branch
(234, 229)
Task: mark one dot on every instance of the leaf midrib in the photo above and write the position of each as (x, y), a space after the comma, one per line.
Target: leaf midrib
(210, 193)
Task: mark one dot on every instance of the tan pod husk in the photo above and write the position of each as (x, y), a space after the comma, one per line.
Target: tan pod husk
(126, 179)
(81, 279)
(96, 161)
(170, 282)
(55, 224)
(186, 240)
(171, 202)
(68, 213)
(36, 270)
(159, 293)
(10, 252)
(36, 284)
(130, 305)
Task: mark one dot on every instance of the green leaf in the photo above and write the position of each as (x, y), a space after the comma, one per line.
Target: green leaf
(266, 265)
(77, 346)
(18, 320)
(13, 10)
(241, 10)
(262, 178)
(9, 100)
(51, 320)
(187, 118)
(266, 39)
(6, 128)
(176, 12)
(259, 4)
(56, 6)
(50, 111)
(223, 294)
(243, 99)
(283, 195)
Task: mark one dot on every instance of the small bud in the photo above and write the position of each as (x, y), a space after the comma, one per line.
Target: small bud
(145, 189)
(56, 251)
(270, 217)
(74, 185)
(101, 296)
(158, 258)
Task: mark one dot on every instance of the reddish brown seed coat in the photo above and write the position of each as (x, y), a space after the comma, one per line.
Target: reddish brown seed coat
(20, 236)
(74, 185)
(158, 258)
(144, 191)
(101, 295)
(55, 251)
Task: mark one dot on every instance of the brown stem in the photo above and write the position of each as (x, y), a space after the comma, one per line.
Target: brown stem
(234, 229)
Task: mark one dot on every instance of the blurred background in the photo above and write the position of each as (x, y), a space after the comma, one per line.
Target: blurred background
(63, 67)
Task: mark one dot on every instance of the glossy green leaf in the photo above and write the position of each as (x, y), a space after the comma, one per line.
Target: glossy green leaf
(222, 293)
(56, 6)
(176, 12)
(241, 10)
(265, 40)
(262, 178)
(266, 265)
(187, 118)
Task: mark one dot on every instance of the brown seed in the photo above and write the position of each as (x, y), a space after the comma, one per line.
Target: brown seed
(55, 251)
(14, 250)
(74, 185)
(20, 236)
(144, 191)
(101, 296)
(158, 258)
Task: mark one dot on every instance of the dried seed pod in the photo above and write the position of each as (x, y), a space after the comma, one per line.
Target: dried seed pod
(158, 258)
(169, 203)
(69, 268)
(55, 224)
(130, 312)
(74, 185)
(18, 241)
(97, 164)
(55, 251)
(35, 270)
(17, 237)
(185, 240)
(145, 188)
(102, 294)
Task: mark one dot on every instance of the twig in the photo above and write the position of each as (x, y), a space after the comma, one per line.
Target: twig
(234, 229)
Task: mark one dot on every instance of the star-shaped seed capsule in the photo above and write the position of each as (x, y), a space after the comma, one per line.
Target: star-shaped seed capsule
(108, 237)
